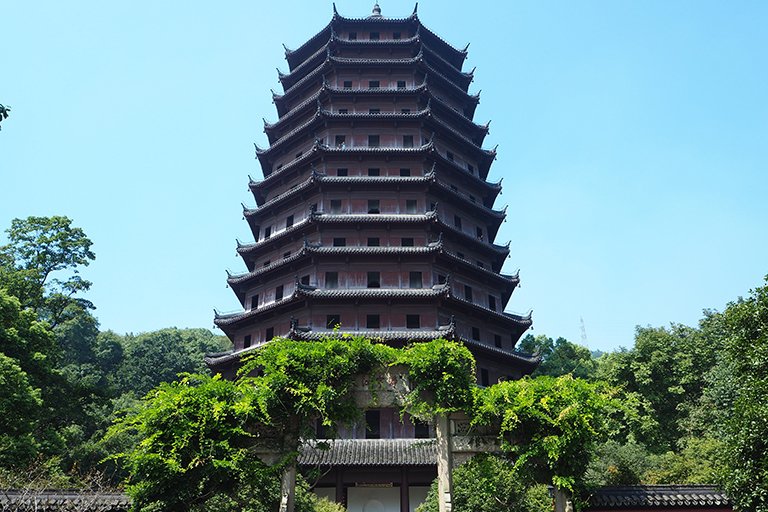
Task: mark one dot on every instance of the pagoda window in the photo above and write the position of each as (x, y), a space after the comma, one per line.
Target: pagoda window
(305, 279)
(373, 424)
(298, 155)
(407, 141)
(279, 166)
(335, 205)
(412, 321)
(340, 141)
(347, 84)
(255, 301)
(396, 35)
(468, 293)
(373, 206)
(401, 84)
(344, 110)
(267, 262)
(440, 278)
(267, 232)
(340, 242)
(457, 221)
(247, 341)
(353, 36)
(414, 280)
(479, 233)
(492, 302)
(331, 279)
(405, 111)
(373, 84)
(497, 340)
(279, 293)
(410, 206)
(450, 156)
(476, 333)
(342, 172)
(374, 279)
(331, 321)
(470, 168)
(374, 36)
(460, 255)
(374, 172)
(372, 321)
(286, 254)
(484, 379)
(373, 141)
(405, 172)
(406, 242)
(374, 242)
(420, 429)
(289, 221)
(269, 333)
(374, 111)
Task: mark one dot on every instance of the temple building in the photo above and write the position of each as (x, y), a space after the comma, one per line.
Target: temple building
(375, 217)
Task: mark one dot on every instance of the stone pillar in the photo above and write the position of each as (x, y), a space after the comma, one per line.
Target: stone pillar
(563, 502)
(444, 464)
(288, 489)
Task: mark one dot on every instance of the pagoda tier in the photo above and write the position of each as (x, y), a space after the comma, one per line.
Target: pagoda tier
(375, 216)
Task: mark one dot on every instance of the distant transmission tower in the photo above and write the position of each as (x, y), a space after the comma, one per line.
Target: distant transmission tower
(583, 332)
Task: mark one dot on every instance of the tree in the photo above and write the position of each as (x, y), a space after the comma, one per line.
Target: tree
(4, 110)
(20, 406)
(745, 476)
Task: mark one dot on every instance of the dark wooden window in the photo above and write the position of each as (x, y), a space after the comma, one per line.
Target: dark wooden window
(267, 262)
(396, 35)
(372, 321)
(410, 206)
(374, 242)
(405, 111)
(479, 233)
(340, 140)
(279, 292)
(373, 141)
(449, 156)
(412, 321)
(347, 84)
(373, 206)
(457, 221)
(353, 36)
(289, 221)
(286, 254)
(406, 242)
(335, 205)
(267, 232)
(468, 292)
(374, 111)
(497, 340)
(255, 301)
(247, 341)
(269, 334)
(414, 280)
(373, 424)
(339, 242)
(374, 36)
(484, 379)
(374, 172)
(331, 321)
(420, 429)
(401, 84)
(331, 279)
(298, 155)
(471, 168)
(345, 110)
(374, 279)
(407, 141)
(492, 302)
(342, 172)
(373, 84)
(476, 333)
(305, 279)
(440, 278)
(405, 172)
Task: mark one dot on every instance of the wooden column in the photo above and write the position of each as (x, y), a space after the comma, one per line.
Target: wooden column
(404, 491)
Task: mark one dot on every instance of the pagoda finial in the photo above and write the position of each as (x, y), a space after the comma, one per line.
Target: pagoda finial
(376, 13)
(415, 8)
(287, 50)
(335, 12)
(465, 49)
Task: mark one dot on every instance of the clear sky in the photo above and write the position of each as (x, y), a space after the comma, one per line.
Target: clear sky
(633, 144)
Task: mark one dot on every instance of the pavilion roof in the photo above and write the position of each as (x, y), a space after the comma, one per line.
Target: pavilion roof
(369, 452)
(689, 497)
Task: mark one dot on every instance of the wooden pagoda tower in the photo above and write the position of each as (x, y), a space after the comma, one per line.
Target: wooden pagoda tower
(375, 217)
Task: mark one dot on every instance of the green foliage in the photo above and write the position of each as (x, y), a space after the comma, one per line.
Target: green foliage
(550, 425)
(195, 436)
(488, 483)
(559, 357)
(697, 461)
(21, 406)
(617, 464)
(745, 476)
(442, 377)
(292, 388)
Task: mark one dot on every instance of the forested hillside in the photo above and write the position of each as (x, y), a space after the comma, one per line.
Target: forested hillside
(695, 395)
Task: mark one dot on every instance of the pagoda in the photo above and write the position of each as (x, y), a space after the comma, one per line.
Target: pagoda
(374, 216)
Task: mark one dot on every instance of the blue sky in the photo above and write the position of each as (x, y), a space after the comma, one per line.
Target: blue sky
(633, 143)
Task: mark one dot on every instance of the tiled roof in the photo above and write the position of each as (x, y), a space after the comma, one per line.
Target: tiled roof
(374, 218)
(59, 500)
(373, 293)
(530, 361)
(658, 496)
(370, 452)
(405, 336)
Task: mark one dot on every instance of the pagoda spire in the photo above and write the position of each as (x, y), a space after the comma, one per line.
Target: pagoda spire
(376, 12)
